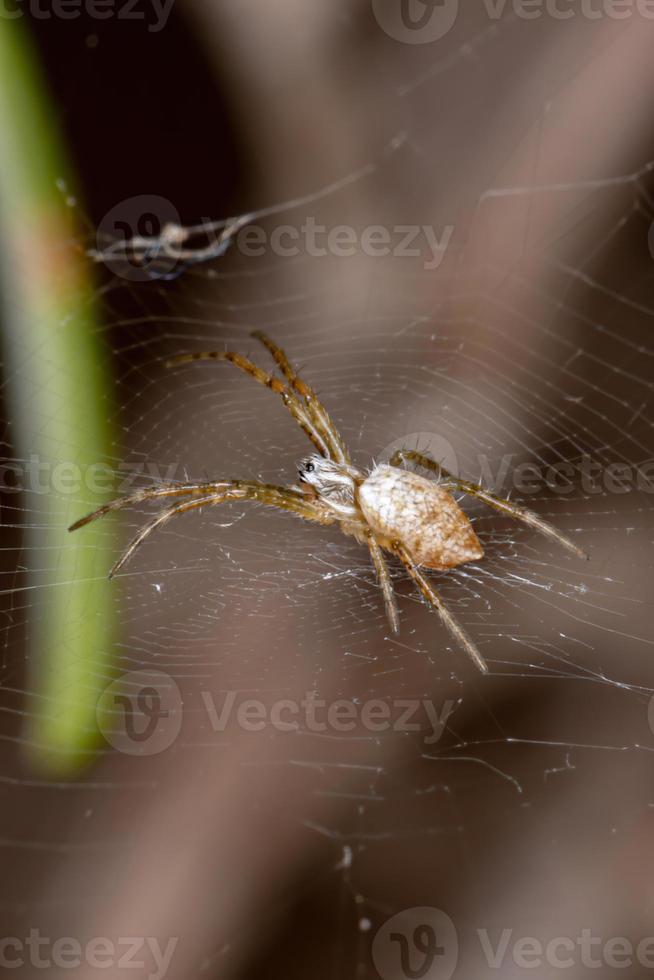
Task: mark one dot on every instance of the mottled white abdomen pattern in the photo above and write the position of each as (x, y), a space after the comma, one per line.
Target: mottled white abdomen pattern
(424, 517)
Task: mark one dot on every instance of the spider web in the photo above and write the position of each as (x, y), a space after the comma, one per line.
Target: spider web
(529, 344)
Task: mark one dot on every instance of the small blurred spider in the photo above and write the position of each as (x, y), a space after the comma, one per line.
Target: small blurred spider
(389, 509)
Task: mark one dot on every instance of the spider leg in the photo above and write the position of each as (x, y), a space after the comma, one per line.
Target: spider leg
(317, 410)
(298, 410)
(384, 579)
(285, 498)
(152, 493)
(492, 500)
(433, 599)
(151, 526)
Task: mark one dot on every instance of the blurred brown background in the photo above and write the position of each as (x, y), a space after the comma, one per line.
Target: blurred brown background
(281, 854)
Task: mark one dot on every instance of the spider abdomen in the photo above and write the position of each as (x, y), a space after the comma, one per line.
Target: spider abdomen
(402, 506)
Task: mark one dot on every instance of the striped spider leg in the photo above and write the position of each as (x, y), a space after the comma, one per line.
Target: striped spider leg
(209, 494)
(433, 599)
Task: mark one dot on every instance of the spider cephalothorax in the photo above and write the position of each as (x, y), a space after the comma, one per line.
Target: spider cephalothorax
(334, 483)
(389, 509)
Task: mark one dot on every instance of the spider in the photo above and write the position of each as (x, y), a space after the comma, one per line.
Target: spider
(389, 509)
